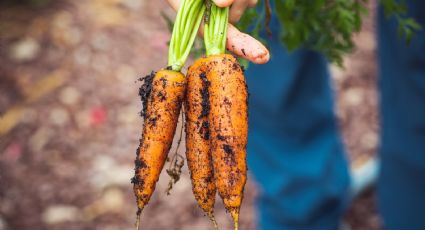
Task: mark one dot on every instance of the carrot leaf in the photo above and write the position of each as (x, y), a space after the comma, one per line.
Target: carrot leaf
(215, 30)
(188, 20)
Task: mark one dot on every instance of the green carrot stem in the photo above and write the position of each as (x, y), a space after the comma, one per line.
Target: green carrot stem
(215, 31)
(188, 20)
(188, 27)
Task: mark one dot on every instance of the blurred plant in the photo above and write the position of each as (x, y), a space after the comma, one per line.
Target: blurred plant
(326, 26)
(407, 26)
(168, 20)
(198, 48)
(38, 3)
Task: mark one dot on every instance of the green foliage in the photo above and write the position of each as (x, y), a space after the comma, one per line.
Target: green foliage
(198, 48)
(32, 3)
(326, 26)
(168, 21)
(253, 21)
(39, 2)
(188, 19)
(215, 29)
(407, 26)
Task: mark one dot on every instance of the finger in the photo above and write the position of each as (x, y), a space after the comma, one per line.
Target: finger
(246, 46)
(252, 3)
(243, 45)
(237, 10)
(175, 4)
(240, 43)
(223, 3)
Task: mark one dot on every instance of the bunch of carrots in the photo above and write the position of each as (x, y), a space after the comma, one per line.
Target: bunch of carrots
(214, 98)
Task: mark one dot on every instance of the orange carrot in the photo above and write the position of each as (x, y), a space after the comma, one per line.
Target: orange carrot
(229, 129)
(198, 138)
(163, 94)
(228, 115)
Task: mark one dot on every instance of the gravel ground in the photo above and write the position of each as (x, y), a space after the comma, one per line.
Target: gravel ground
(70, 123)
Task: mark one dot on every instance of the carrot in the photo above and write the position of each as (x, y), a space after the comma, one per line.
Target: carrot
(228, 115)
(162, 95)
(198, 138)
(229, 128)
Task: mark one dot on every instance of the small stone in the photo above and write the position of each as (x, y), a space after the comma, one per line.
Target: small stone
(369, 140)
(108, 13)
(113, 199)
(100, 42)
(129, 115)
(83, 119)
(367, 42)
(46, 190)
(39, 26)
(29, 116)
(2, 224)
(62, 19)
(126, 74)
(82, 56)
(353, 97)
(159, 40)
(59, 116)
(8, 206)
(69, 96)
(133, 4)
(338, 73)
(24, 50)
(40, 139)
(197, 224)
(72, 36)
(107, 173)
(101, 63)
(60, 213)
(103, 163)
(63, 32)
(54, 53)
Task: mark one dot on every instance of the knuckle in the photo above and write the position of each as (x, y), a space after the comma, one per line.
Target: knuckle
(252, 3)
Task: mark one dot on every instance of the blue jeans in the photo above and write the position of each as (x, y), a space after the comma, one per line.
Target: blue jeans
(401, 185)
(295, 151)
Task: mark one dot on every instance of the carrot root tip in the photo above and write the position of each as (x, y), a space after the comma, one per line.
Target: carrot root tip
(213, 221)
(138, 217)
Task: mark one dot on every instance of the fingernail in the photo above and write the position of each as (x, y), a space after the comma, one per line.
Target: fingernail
(223, 3)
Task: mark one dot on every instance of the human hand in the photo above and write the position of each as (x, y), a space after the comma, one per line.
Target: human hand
(239, 43)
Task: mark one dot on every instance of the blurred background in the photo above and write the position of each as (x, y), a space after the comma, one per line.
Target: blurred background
(69, 122)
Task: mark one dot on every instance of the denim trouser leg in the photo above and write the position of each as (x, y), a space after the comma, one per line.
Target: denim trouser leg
(294, 148)
(401, 186)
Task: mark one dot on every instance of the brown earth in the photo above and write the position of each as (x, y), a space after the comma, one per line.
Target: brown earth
(69, 122)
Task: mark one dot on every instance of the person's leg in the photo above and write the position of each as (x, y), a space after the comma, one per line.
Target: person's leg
(401, 186)
(294, 148)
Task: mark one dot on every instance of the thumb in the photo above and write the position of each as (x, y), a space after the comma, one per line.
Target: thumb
(223, 3)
